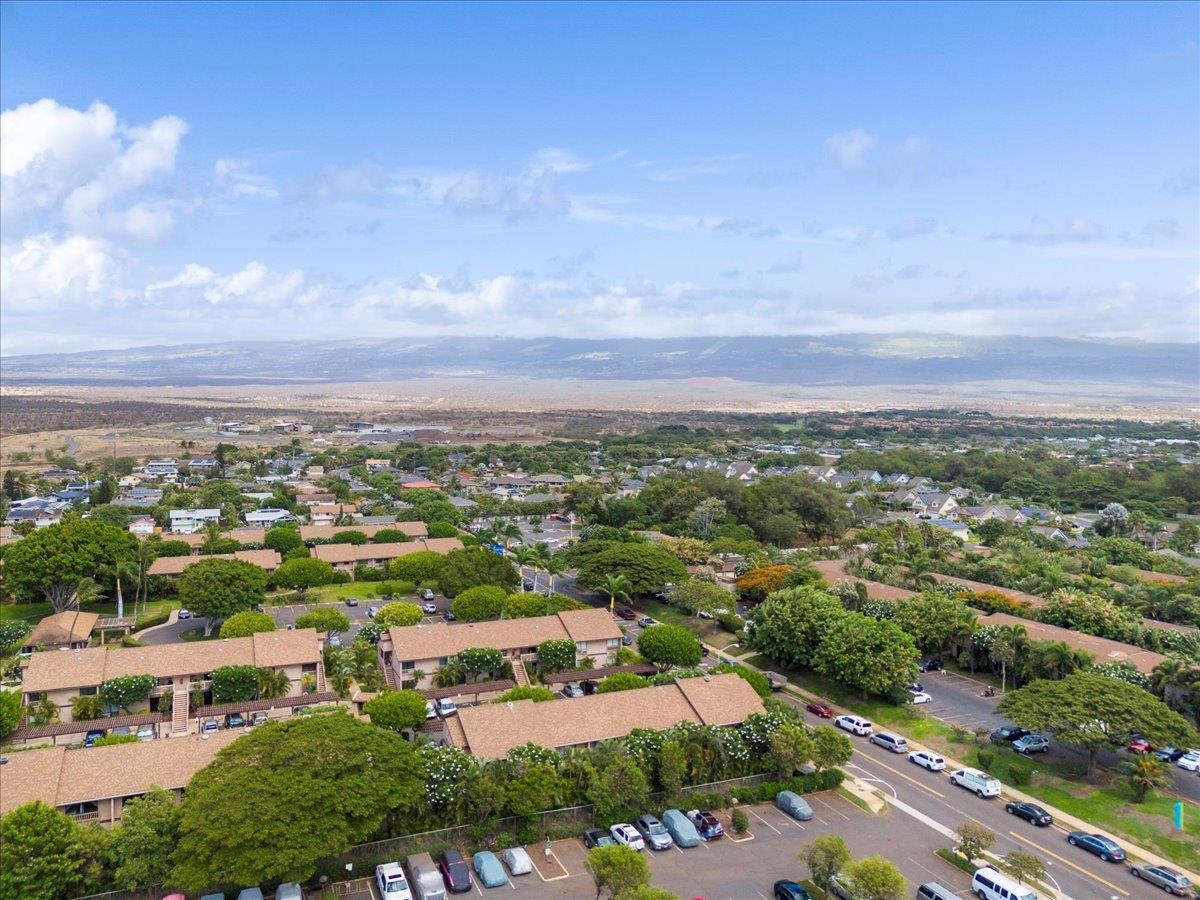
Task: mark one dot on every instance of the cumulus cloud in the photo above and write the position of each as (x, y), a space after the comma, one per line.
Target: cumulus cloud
(239, 177)
(85, 170)
(849, 149)
(44, 274)
(252, 285)
(747, 227)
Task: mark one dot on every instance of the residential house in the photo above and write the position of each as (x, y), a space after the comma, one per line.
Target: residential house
(142, 526)
(550, 480)
(190, 521)
(144, 497)
(162, 468)
(265, 518)
(868, 476)
(57, 473)
(348, 557)
(741, 471)
(490, 730)
(405, 652)
(180, 669)
(958, 529)
(69, 630)
(202, 464)
(897, 479)
(315, 498)
(934, 503)
(1000, 511)
(171, 566)
(329, 513)
(959, 493)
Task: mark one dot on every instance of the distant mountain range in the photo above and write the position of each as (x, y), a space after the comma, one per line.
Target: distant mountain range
(849, 359)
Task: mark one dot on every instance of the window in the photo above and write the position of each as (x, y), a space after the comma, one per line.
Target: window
(613, 642)
(443, 660)
(88, 691)
(581, 646)
(407, 665)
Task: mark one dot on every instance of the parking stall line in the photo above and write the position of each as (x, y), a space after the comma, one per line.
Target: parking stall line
(765, 822)
(832, 808)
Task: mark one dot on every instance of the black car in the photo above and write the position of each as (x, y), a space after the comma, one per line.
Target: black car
(597, 837)
(1107, 850)
(1169, 754)
(789, 890)
(589, 687)
(1009, 733)
(1030, 812)
(235, 720)
(455, 871)
(931, 664)
(448, 616)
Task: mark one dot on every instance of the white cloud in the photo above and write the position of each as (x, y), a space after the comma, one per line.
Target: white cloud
(239, 177)
(252, 285)
(84, 169)
(849, 149)
(1043, 233)
(42, 274)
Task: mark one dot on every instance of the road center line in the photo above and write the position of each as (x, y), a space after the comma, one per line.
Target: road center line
(1067, 862)
(919, 784)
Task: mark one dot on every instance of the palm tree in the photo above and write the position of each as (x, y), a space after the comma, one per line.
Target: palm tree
(1176, 682)
(87, 591)
(273, 684)
(552, 565)
(1006, 642)
(615, 586)
(116, 570)
(1145, 775)
(526, 556)
(212, 535)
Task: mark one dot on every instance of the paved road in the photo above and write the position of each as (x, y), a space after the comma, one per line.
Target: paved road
(929, 798)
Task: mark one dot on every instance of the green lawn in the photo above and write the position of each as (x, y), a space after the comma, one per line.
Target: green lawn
(706, 629)
(363, 590)
(35, 612)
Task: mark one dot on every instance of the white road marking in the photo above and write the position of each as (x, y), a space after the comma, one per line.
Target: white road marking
(765, 822)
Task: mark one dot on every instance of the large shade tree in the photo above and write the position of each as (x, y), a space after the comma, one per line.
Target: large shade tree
(218, 588)
(51, 562)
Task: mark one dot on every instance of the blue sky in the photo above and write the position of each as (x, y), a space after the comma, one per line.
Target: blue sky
(173, 173)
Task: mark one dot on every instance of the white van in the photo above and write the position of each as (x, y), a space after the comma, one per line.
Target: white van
(980, 783)
(988, 884)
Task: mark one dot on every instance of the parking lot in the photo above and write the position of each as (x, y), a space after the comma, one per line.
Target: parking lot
(745, 869)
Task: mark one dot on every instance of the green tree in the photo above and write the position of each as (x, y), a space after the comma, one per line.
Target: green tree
(647, 567)
(234, 684)
(830, 748)
(462, 569)
(43, 853)
(87, 707)
(615, 869)
(1085, 709)
(357, 538)
(50, 562)
(974, 839)
(12, 634)
(398, 710)
(618, 791)
(481, 661)
(1025, 867)
(875, 878)
(142, 845)
(302, 574)
(934, 621)
(126, 690)
(283, 539)
(273, 684)
(617, 587)
(672, 768)
(398, 615)
(329, 621)
(790, 625)
(870, 656)
(246, 623)
(791, 747)
(621, 681)
(217, 588)
(669, 645)
(525, 606)
(555, 655)
(10, 712)
(248, 816)
(825, 857)
(475, 604)
(1144, 775)
(419, 568)
(695, 596)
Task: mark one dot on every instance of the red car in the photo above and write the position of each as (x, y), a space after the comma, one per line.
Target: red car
(626, 613)
(820, 709)
(1140, 745)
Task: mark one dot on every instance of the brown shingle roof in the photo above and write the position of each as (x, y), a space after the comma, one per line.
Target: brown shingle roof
(495, 728)
(324, 532)
(589, 624)
(443, 545)
(31, 775)
(441, 639)
(68, 627)
(1102, 648)
(719, 700)
(356, 553)
(94, 665)
(174, 565)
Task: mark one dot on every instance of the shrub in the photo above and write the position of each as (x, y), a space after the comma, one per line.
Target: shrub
(417, 567)
(731, 622)
(621, 681)
(441, 530)
(556, 654)
(986, 757)
(740, 821)
(537, 693)
(126, 690)
(1018, 775)
(398, 614)
(358, 538)
(246, 623)
(330, 621)
(109, 739)
(478, 661)
(370, 573)
(485, 601)
(233, 684)
(390, 536)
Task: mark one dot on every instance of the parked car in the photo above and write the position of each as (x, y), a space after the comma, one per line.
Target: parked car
(839, 886)
(980, 783)
(989, 884)
(626, 613)
(627, 640)
(425, 877)
(1190, 761)
(488, 868)
(919, 697)
(392, 884)
(334, 640)
(597, 837)
(259, 718)
(430, 710)
(855, 725)
(455, 871)
(1031, 743)
(929, 664)
(1168, 879)
(683, 832)
(931, 890)
(449, 616)
(790, 890)
(429, 608)
(235, 720)
(372, 612)
(653, 832)
(589, 687)
(794, 805)
(184, 614)
(210, 726)
(645, 622)
(927, 760)
(889, 741)
(1140, 745)
(147, 733)
(572, 690)
(446, 707)
(1169, 754)
(250, 893)
(517, 860)
(352, 601)
(706, 823)
(1030, 812)
(89, 739)
(1008, 733)
(426, 594)
(1105, 848)
(820, 710)
(289, 890)
(626, 834)
(527, 585)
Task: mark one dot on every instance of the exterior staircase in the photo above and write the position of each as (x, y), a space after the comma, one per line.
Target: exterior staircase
(520, 676)
(322, 684)
(179, 711)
